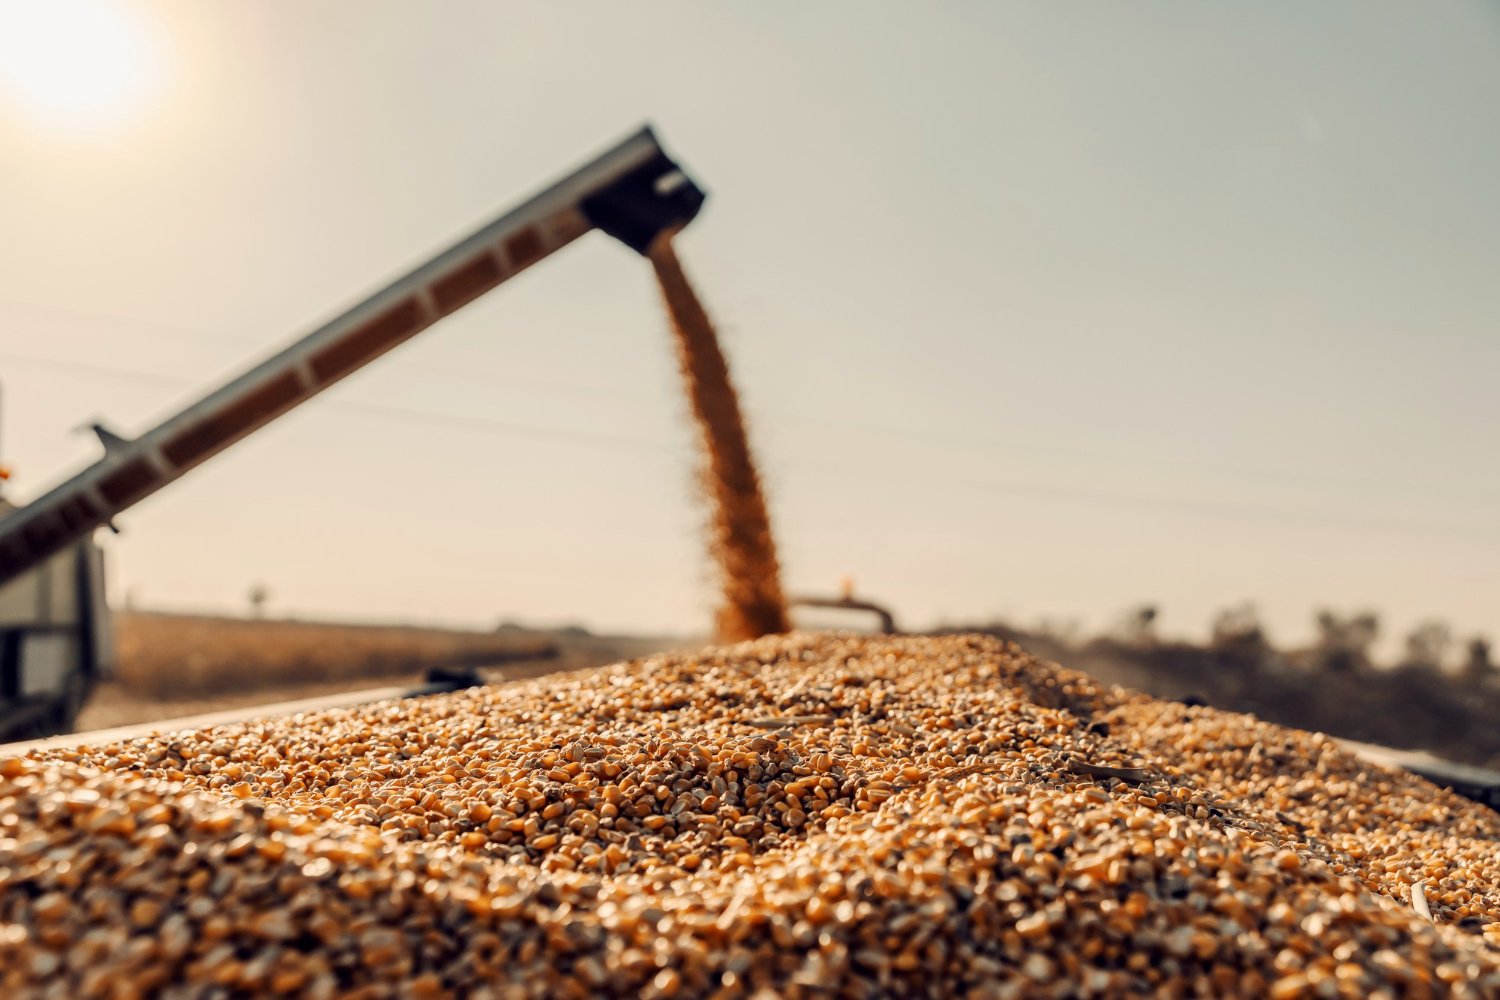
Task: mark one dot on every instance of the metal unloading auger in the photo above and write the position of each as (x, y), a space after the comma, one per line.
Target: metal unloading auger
(632, 192)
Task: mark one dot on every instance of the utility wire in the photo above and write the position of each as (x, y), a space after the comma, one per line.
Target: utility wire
(1220, 470)
(180, 333)
(1007, 487)
(360, 406)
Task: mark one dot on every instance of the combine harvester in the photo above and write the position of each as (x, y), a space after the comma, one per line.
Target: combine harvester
(54, 622)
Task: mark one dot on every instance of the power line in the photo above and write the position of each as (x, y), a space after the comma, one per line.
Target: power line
(198, 336)
(380, 409)
(490, 423)
(1220, 470)
(1041, 491)
(1032, 490)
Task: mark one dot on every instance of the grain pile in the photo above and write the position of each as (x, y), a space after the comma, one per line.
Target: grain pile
(831, 815)
(740, 530)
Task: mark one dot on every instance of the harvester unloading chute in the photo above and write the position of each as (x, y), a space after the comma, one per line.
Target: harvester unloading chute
(633, 192)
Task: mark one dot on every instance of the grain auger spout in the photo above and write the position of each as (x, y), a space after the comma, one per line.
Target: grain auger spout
(633, 192)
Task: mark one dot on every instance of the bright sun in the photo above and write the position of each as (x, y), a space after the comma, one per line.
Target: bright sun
(75, 65)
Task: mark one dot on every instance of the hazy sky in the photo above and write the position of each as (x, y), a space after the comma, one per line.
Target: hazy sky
(1038, 310)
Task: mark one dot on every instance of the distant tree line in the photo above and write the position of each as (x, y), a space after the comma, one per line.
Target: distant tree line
(1437, 693)
(1344, 643)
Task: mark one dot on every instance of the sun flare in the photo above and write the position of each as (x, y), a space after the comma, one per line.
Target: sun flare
(75, 65)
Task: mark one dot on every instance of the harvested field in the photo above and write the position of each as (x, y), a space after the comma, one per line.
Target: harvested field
(177, 665)
(180, 656)
(809, 814)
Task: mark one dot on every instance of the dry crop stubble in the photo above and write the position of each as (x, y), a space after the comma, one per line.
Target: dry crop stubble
(178, 656)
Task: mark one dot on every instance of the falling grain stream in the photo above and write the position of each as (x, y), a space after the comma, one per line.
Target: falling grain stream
(740, 530)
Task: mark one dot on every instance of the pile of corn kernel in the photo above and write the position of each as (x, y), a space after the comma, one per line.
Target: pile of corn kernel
(802, 815)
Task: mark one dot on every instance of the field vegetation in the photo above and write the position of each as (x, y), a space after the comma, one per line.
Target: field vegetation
(180, 656)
